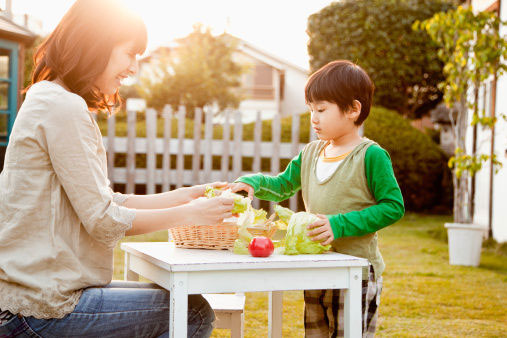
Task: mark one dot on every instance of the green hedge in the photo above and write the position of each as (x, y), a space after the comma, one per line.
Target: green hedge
(419, 163)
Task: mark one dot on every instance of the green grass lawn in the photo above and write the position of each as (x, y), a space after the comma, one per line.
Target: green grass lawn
(423, 295)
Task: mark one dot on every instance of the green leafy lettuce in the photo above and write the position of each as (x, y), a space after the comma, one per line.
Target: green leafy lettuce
(296, 240)
(284, 214)
(210, 191)
(245, 220)
(260, 216)
(241, 203)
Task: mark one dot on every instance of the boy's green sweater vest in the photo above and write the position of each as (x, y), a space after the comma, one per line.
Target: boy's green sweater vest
(344, 191)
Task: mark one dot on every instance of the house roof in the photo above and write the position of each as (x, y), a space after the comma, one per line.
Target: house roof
(12, 30)
(246, 48)
(267, 57)
(485, 5)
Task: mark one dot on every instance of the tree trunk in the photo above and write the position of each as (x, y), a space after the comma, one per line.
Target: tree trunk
(461, 184)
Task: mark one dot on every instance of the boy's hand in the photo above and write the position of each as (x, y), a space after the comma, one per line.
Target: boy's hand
(322, 231)
(198, 190)
(240, 186)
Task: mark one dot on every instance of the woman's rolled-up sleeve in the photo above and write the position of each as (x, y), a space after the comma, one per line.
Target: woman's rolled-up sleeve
(118, 197)
(72, 145)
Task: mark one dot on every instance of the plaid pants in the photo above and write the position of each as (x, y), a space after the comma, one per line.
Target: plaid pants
(324, 310)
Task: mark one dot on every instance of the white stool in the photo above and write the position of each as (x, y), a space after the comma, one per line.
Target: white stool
(228, 311)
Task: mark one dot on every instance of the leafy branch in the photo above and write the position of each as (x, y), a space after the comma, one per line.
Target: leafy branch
(473, 52)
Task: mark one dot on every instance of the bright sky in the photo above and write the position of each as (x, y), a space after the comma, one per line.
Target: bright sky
(276, 26)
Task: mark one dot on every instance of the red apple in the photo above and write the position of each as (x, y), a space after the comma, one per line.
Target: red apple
(261, 246)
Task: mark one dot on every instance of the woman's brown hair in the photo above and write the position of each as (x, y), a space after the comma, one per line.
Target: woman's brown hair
(78, 50)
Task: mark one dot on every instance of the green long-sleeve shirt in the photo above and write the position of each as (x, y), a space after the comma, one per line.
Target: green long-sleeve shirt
(381, 182)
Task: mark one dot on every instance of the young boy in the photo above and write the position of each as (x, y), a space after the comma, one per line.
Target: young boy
(348, 181)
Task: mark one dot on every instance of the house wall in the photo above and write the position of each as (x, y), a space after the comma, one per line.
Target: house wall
(293, 101)
(482, 178)
(481, 5)
(481, 201)
(294, 95)
(500, 180)
(249, 109)
(499, 216)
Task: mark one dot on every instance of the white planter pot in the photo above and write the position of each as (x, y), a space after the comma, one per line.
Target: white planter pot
(465, 242)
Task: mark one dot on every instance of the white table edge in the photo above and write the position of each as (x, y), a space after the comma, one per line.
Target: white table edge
(349, 261)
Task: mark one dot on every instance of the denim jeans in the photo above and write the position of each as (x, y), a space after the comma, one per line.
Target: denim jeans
(120, 309)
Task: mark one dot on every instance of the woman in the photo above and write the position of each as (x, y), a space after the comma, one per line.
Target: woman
(59, 220)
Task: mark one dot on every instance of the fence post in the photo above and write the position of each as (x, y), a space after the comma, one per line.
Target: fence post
(293, 202)
(151, 135)
(238, 136)
(208, 137)
(131, 151)
(256, 165)
(226, 139)
(180, 161)
(196, 157)
(166, 152)
(275, 158)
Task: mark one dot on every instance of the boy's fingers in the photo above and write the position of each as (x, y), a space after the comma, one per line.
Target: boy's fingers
(315, 224)
(321, 237)
(250, 194)
(328, 241)
(316, 231)
(219, 184)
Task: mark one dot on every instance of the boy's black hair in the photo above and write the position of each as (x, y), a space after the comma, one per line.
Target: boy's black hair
(341, 82)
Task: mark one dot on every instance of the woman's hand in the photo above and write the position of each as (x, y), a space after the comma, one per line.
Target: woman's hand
(322, 231)
(240, 186)
(197, 191)
(210, 211)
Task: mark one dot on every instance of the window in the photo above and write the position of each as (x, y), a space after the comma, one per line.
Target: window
(8, 88)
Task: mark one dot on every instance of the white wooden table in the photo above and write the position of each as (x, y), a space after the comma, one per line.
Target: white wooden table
(192, 271)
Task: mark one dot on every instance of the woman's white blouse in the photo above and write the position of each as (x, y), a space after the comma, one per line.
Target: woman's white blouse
(59, 219)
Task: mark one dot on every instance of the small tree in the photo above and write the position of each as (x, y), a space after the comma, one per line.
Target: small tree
(473, 51)
(198, 72)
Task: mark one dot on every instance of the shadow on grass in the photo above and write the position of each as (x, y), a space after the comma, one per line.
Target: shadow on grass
(490, 261)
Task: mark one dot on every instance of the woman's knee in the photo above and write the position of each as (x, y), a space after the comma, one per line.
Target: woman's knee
(200, 316)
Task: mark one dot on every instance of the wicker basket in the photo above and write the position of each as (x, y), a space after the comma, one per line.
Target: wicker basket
(216, 237)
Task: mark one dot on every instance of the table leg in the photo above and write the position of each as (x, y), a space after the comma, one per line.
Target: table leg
(352, 304)
(178, 307)
(275, 314)
(128, 274)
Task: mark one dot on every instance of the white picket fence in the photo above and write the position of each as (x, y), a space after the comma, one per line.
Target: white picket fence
(207, 147)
